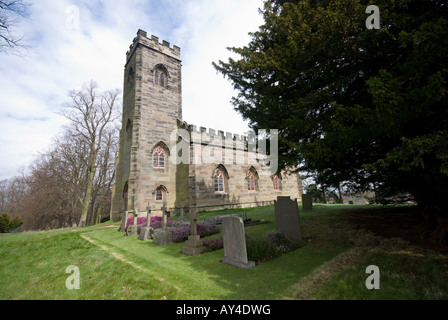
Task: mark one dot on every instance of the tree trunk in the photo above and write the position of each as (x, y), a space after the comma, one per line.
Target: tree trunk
(323, 195)
(340, 193)
(440, 233)
(88, 195)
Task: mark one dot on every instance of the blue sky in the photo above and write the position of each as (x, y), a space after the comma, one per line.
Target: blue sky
(68, 49)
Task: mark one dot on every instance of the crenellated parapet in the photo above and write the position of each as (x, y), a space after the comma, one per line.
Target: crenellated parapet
(218, 138)
(153, 43)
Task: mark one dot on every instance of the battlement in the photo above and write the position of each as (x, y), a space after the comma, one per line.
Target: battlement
(154, 44)
(210, 136)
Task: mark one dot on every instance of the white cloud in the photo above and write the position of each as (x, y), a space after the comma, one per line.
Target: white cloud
(35, 86)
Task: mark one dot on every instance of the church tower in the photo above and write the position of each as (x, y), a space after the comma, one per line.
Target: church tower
(152, 107)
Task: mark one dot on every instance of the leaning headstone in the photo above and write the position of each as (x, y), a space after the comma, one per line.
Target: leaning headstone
(287, 217)
(307, 202)
(147, 232)
(193, 246)
(124, 221)
(234, 239)
(163, 236)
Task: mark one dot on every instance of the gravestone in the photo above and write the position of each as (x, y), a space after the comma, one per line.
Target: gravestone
(182, 218)
(194, 245)
(124, 221)
(163, 236)
(133, 229)
(234, 239)
(147, 232)
(287, 217)
(307, 202)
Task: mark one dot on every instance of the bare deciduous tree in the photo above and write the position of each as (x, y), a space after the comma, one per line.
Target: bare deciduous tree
(11, 11)
(91, 113)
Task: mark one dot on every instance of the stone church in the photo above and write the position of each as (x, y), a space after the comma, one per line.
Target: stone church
(162, 159)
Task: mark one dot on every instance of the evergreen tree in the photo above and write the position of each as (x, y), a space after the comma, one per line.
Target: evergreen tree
(352, 103)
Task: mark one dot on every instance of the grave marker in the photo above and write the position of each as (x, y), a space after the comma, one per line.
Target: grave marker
(193, 246)
(234, 238)
(287, 217)
(307, 202)
(147, 232)
(163, 236)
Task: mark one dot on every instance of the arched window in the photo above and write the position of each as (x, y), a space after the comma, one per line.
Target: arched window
(158, 158)
(276, 182)
(159, 194)
(160, 76)
(250, 181)
(219, 180)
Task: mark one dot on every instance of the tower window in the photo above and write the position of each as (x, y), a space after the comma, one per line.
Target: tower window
(160, 76)
(159, 158)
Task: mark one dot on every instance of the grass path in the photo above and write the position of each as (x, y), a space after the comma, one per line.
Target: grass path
(131, 263)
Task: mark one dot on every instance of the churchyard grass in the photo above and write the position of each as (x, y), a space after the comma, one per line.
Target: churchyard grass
(112, 266)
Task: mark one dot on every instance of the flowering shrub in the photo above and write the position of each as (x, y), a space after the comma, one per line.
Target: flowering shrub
(141, 221)
(204, 229)
(180, 231)
(181, 234)
(213, 244)
(207, 229)
(158, 224)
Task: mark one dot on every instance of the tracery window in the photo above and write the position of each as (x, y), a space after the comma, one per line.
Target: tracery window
(219, 180)
(158, 158)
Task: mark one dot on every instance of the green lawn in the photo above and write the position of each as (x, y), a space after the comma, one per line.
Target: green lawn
(113, 266)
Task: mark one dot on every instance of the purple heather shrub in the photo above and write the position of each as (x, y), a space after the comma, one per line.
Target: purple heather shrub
(158, 224)
(181, 234)
(207, 229)
(142, 221)
(214, 244)
(204, 229)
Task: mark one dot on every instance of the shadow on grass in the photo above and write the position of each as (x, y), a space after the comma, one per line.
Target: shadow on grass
(205, 277)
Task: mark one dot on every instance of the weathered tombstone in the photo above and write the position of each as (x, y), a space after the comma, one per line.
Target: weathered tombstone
(307, 202)
(193, 246)
(147, 232)
(182, 218)
(133, 229)
(234, 239)
(163, 236)
(287, 217)
(124, 221)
